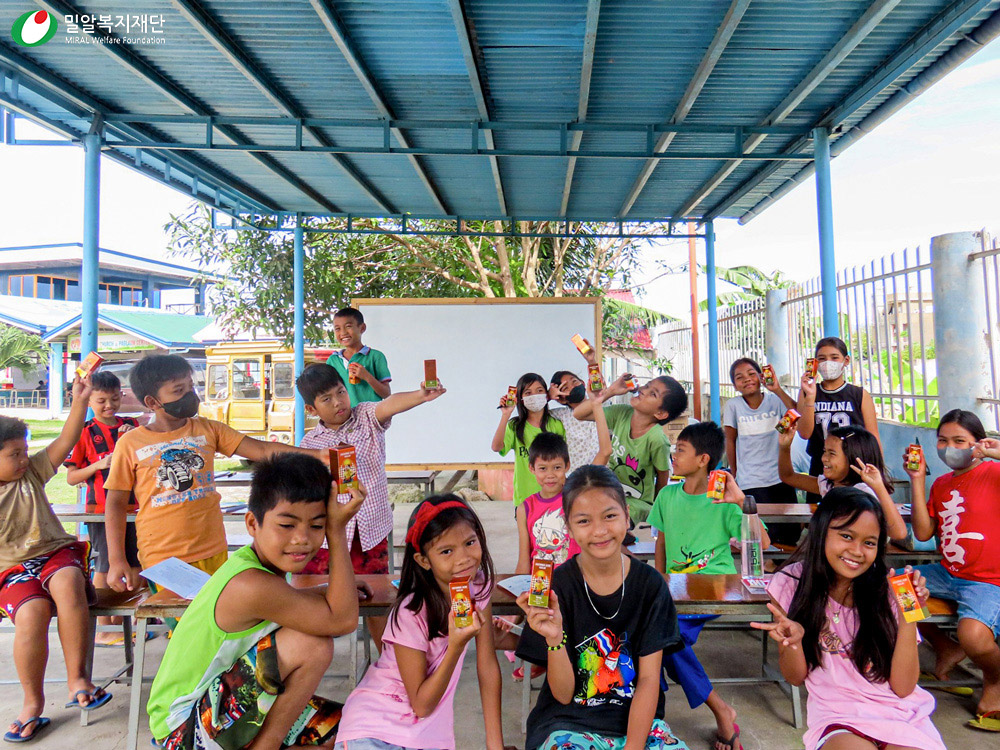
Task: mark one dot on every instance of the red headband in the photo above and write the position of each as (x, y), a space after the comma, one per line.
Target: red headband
(426, 513)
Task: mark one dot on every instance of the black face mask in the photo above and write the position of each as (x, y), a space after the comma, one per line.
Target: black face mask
(184, 407)
(576, 394)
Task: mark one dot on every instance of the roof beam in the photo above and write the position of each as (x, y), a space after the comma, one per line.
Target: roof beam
(586, 69)
(868, 21)
(462, 32)
(350, 52)
(719, 43)
(254, 72)
(176, 93)
(932, 35)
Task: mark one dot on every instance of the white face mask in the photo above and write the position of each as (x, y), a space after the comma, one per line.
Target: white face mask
(831, 369)
(535, 402)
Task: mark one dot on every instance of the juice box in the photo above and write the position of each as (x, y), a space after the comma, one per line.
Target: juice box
(906, 597)
(511, 397)
(351, 377)
(462, 604)
(630, 383)
(716, 485)
(914, 454)
(344, 467)
(541, 582)
(431, 374)
(768, 373)
(595, 378)
(90, 363)
(788, 421)
(582, 345)
(812, 367)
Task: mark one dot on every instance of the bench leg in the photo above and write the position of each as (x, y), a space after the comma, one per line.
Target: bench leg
(796, 706)
(135, 698)
(129, 646)
(392, 554)
(525, 693)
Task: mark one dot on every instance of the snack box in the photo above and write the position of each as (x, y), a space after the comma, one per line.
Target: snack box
(595, 378)
(906, 597)
(351, 377)
(582, 345)
(344, 467)
(812, 367)
(462, 604)
(768, 373)
(431, 374)
(541, 582)
(787, 422)
(914, 454)
(89, 364)
(511, 395)
(716, 485)
(630, 383)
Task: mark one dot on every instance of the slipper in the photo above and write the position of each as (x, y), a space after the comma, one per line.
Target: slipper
(989, 721)
(536, 672)
(96, 701)
(958, 690)
(14, 735)
(733, 741)
(114, 643)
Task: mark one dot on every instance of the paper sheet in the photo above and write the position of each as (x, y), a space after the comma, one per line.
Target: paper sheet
(516, 585)
(176, 575)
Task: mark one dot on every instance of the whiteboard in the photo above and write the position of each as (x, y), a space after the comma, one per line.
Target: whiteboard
(482, 346)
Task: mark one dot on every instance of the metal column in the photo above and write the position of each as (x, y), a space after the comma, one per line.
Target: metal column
(298, 286)
(713, 325)
(57, 372)
(91, 239)
(776, 334)
(824, 212)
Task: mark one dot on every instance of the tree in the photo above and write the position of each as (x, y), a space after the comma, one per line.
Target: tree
(21, 350)
(257, 265)
(752, 282)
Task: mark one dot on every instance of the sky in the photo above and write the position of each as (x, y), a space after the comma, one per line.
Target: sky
(932, 168)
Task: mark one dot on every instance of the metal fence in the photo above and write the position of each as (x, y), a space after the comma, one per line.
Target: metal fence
(990, 263)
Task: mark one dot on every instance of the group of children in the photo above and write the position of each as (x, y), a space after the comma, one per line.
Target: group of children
(244, 662)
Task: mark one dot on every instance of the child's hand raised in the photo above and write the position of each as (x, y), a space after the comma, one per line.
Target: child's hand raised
(617, 388)
(869, 474)
(506, 405)
(919, 583)
(786, 438)
(733, 493)
(82, 388)
(987, 448)
(337, 513)
(458, 637)
(590, 356)
(358, 372)
(808, 385)
(921, 472)
(547, 622)
(784, 631)
(429, 394)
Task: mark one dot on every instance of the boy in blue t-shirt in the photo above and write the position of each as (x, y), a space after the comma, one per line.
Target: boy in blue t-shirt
(364, 370)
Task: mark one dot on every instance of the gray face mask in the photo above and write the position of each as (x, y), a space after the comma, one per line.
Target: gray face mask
(956, 458)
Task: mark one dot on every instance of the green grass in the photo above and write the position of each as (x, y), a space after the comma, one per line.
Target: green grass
(44, 429)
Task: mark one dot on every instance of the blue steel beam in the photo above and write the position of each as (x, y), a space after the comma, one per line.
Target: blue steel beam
(299, 302)
(824, 214)
(708, 62)
(867, 23)
(353, 57)
(586, 69)
(254, 72)
(715, 397)
(123, 54)
(91, 241)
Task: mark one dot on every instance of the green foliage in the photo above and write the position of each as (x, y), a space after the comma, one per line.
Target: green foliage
(753, 284)
(21, 350)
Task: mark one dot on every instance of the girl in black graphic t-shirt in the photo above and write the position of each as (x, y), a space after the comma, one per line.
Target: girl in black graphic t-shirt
(602, 638)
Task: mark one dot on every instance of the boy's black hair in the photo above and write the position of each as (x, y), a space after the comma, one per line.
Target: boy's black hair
(743, 361)
(967, 420)
(105, 382)
(152, 371)
(12, 428)
(705, 437)
(295, 477)
(592, 476)
(315, 379)
(857, 443)
(350, 312)
(675, 401)
(559, 375)
(547, 446)
(834, 341)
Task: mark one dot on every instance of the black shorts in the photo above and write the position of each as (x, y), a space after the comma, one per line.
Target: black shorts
(99, 546)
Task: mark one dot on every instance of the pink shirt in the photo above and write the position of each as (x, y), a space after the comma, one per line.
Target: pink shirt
(839, 694)
(547, 531)
(362, 430)
(379, 707)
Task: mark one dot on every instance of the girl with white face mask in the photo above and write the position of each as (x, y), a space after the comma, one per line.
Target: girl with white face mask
(832, 403)
(517, 434)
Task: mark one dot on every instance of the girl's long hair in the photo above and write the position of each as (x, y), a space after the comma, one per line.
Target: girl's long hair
(857, 442)
(522, 412)
(421, 583)
(875, 640)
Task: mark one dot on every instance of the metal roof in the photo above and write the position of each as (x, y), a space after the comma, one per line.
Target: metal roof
(164, 329)
(632, 110)
(36, 257)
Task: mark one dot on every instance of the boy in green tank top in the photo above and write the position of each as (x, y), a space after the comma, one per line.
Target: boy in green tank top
(246, 657)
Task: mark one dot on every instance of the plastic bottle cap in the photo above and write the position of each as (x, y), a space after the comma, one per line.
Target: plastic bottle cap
(749, 505)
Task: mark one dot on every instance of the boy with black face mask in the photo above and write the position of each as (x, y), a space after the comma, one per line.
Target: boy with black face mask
(170, 466)
(581, 436)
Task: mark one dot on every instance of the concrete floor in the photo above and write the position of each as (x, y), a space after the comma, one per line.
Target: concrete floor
(764, 710)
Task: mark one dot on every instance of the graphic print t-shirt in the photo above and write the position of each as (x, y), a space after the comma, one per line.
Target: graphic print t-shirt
(173, 477)
(839, 408)
(604, 653)
(967, 510)
(696, 531)
(96, 441)
(635, 461)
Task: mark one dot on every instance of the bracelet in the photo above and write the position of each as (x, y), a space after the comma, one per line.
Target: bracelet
(561, 643)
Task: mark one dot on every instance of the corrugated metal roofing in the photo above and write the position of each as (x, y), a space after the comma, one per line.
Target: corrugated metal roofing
(282, 61)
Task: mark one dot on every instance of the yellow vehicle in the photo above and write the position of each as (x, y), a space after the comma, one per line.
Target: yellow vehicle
(250, 385)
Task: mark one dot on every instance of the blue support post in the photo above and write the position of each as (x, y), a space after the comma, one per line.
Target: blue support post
(715, 397)
(299, 295)
(824, 211)
(56, 379)
(91, 238)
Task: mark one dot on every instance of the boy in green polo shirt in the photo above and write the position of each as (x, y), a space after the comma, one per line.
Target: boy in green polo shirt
(364, 370)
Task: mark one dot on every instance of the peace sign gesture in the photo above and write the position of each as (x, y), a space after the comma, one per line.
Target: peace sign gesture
(869, 474)
(782, 630)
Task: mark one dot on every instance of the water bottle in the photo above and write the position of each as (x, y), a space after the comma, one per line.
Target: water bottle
(751, 550)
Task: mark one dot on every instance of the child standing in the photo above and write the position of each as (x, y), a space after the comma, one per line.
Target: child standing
(364, 370)
(694, 538)
(610, 617)
(43, 571)
(90, 462)
(568, 391)
(411, 688)
(964, 511)
(841, 635)
(517, 434)
(851, 457)
(243, 662)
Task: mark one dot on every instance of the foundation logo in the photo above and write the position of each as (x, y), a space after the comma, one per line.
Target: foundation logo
(34, 28)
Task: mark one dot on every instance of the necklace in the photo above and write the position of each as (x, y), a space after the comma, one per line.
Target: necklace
(586, 590)
(835, 613)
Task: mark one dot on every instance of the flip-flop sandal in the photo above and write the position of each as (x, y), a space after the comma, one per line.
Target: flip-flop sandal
(14, 735)
(98, 698)
(989, 721)
(957, 690)
(114, 643)
(733, 741)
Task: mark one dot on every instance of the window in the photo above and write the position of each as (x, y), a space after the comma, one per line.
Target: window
(218, 382)
(14, 286)
(73, 290)
(284, 380)
(43, 287)
(246, 379)
(58, 288)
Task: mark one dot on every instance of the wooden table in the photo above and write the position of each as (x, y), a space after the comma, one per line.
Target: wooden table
(80, 513)
(425, 479)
